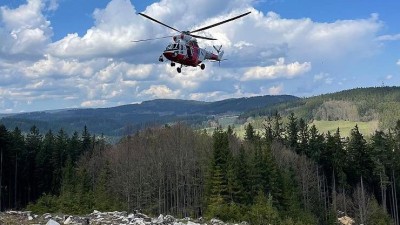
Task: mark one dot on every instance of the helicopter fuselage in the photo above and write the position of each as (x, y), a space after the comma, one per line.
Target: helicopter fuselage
(185, 51)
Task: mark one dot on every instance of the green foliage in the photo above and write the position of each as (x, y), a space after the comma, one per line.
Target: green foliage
(377, 215)
(262, 212)
(45, 204)
(226, 212)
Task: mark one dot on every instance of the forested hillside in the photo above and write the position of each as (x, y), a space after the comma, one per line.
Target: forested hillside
(360, 104)
(121, 120)
(288, 174)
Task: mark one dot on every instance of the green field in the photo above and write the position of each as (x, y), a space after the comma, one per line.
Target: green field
(323, 126)
(366, 128)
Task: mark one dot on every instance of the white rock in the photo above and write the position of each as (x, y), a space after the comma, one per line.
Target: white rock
(52, 222)
(30, 217)
(216, 221)
(192, 223)
(68, 220)
(137, 221)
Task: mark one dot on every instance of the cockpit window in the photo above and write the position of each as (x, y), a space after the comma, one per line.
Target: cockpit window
(172, 47)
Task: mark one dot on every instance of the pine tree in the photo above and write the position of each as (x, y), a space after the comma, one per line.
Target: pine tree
(242, 172)
(250, 133)
(17, 147)
(292, 133)
(262, 211)
(87, 144)
(4, 145)
(33, 146)
(44, 172)
(218, 191)
(58, 159)
(303, 136)
(277, 127)
(315, 144)
(359, 162)
(74, 147)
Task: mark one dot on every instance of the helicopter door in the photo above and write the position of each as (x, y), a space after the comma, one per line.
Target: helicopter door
(189, 52)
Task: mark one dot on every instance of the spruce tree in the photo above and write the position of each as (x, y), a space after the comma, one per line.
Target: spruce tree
(303, 137)
(359, 161)
(44, 172)
(292, 133)
(33, 146)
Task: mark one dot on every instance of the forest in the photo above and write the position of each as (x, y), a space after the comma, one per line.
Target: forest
(290, 174)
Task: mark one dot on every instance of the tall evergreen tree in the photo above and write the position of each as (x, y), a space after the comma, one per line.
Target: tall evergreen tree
(359, 162)
(303, 137)
(250, 133)
(315, 144)
(33, 146)
(4, 148)
(44, 171)
(17, 147)
(292, 133)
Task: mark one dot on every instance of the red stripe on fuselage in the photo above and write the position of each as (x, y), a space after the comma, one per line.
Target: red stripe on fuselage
(183, 59)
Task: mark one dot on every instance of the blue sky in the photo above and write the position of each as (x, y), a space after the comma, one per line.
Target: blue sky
(68, 54)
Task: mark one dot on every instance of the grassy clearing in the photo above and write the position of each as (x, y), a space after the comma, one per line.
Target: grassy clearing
(323, 126)
(366, 128)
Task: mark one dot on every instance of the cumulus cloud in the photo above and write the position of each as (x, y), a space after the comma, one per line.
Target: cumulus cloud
(115, 26)
(279, 70)
(275, 90)
(25, 31)
(324, 77)
(160, 91)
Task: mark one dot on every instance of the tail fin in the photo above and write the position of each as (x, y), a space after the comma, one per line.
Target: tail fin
(220, 54)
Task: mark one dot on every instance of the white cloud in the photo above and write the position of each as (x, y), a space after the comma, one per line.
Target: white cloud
(93, 103)
(324, 77)
(279, 70)
(115, 27)
(398, 62)
(394, 37)
(160, 91)
(389, 77)
(276, 90)
(26, 31)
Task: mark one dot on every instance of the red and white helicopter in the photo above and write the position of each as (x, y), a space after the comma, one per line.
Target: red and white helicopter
(185, 50)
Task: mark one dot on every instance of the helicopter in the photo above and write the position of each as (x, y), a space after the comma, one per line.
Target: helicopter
(185, 50)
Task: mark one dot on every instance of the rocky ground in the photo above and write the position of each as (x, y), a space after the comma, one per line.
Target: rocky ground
(97, 218)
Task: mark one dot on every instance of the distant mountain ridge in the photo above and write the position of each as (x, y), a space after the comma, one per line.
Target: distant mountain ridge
(116, 121)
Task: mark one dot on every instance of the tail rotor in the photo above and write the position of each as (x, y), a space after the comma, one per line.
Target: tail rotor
(219, 52)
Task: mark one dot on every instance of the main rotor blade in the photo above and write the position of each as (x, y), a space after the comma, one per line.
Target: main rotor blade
(151, 39)
(148, 17)
(222, 22)
(201, 37)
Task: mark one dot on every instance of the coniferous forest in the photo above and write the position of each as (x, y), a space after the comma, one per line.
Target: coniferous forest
(288, 174)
